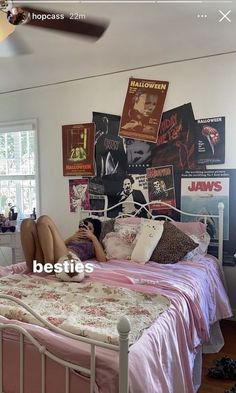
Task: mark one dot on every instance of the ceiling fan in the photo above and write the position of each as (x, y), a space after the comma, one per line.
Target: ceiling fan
(11, 16)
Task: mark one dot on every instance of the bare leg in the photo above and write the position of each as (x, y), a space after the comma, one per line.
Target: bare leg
(30, 243)
(52, 244)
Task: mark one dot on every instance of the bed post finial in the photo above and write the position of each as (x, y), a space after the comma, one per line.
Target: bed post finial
(123, 328)
(221, 206)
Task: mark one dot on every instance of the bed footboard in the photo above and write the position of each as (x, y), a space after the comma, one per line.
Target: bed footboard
(123, 328)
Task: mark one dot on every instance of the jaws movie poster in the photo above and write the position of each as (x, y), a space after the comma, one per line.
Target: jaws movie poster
(143, 109)
(201, 192)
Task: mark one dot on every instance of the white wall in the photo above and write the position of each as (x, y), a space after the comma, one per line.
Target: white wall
(209, 84)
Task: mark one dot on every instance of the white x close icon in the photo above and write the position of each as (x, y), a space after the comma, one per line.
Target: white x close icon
(225, 16)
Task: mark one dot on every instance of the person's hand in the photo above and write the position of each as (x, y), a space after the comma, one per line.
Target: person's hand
(86, 233)
(76, 235)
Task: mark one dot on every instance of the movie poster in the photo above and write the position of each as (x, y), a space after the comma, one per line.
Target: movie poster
(79, 196)
(211, 140)
(143, 108)
(161, 186)
(110, 153)
(201, 191)
(78, 149)
(177, 141)
(139, 155)
(98, 202)
(133, 191)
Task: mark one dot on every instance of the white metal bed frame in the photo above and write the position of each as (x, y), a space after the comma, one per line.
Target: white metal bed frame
(123, 325)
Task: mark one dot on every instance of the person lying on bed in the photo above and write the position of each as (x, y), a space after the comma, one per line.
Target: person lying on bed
(41, 241)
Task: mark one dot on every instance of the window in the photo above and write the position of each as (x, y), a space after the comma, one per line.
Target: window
(19, 168)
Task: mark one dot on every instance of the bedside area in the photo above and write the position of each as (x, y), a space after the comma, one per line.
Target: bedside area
(230, 277)
(11, 241)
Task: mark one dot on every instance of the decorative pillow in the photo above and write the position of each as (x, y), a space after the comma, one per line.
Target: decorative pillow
(128, 228)
(198, 233)
(116, 247)
(173, 246)
(129, 221)
(106, 227)
(195, 228)
(148, 237)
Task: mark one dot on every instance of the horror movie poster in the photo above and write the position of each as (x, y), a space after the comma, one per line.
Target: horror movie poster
(201, 191)
(211, 140)
(143, 108)
(110, 153)
(78, 149)
(78, 193)
(161, 186)
(139, 155)
(177, 140)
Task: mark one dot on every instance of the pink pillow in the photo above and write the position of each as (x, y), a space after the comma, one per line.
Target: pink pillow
(128, 221)
(195, 228)
(116, 247)
(198, 233)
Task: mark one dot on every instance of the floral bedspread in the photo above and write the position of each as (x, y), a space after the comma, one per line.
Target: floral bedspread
(87, 309)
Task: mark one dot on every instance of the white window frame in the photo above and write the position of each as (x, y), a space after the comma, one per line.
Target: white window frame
(25, 125)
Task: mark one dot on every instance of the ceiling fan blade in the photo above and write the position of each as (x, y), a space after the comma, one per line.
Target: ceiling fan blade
(6, 28)
(43, 19)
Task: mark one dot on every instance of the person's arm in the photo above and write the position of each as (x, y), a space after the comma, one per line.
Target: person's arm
(75, 236)
(98, 249)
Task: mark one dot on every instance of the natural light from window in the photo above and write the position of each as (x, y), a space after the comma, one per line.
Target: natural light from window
(18, 168)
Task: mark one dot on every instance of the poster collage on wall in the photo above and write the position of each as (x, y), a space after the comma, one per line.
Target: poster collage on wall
(134, 157)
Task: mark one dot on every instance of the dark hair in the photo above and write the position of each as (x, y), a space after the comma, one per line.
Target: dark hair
(129, 177)
(96, 224)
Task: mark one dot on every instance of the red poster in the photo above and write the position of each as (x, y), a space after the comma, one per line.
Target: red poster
(78, 142)
(143, 109)
(161, 186)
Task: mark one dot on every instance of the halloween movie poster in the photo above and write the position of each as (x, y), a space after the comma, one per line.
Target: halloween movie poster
(161, 186)
(143, 108)
(78, 149)
(177, 140)
(201, 191)
(211, 140)
(79, 196)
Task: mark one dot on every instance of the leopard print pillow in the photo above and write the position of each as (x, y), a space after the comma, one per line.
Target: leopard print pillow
(173, 245)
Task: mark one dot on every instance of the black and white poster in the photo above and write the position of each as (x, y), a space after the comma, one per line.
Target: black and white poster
(110, 153)
(139, 155)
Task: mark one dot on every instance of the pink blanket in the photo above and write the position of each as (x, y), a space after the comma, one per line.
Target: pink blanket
(162, 359)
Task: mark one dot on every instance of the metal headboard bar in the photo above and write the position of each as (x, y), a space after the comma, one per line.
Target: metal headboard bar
(147, 206)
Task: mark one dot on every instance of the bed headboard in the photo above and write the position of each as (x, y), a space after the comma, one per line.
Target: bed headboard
(146, 210)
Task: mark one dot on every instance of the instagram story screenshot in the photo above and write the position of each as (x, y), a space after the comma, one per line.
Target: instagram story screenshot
(117, 196)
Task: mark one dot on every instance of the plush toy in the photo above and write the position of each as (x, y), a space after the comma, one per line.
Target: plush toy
(67, 266)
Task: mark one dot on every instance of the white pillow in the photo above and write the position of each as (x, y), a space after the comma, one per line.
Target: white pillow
(147, 239)
(203, 242)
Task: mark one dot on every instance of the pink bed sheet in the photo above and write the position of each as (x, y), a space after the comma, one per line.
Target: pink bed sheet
(161, 361)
